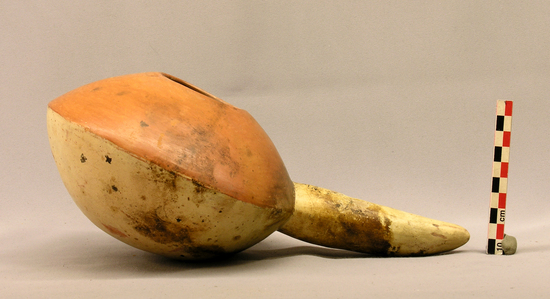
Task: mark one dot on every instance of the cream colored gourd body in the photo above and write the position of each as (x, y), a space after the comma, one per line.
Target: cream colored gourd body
(168, 168)
(149, 207)
(165, 167)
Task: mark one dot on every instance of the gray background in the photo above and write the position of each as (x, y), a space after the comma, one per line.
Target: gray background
(388, 101)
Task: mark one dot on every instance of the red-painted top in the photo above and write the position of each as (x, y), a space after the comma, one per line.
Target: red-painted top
(164, 120)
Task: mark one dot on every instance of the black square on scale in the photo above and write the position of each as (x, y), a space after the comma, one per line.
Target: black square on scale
(498, 154)
(500, 122)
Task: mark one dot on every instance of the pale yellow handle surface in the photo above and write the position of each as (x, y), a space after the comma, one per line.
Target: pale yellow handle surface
(335, 220)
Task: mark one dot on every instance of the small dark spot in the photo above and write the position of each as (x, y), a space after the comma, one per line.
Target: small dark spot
(178, 220)
(143, 124)
(122, 93)
(220, 211)
(83, 158)
(114, 188)
(143, 197)
(236, 238)
(108, 159)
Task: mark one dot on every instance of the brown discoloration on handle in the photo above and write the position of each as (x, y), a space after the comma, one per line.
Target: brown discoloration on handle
(183, 129)
(322, 218)
(332, 219)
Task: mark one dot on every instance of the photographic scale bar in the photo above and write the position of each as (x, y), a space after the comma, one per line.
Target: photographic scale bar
(497, 214)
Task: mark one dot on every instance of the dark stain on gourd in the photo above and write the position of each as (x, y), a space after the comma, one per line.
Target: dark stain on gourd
(153, 227)
(150, 225)
(199, 188)
(164, 177)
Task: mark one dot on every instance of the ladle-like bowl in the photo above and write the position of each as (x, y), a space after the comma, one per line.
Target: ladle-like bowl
(168, 168)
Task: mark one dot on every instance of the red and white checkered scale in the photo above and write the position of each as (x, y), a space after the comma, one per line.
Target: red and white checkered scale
(501, 161)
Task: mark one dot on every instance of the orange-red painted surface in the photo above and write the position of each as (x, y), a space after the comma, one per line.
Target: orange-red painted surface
(162, 119)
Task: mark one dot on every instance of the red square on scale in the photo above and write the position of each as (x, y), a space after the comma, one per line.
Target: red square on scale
(500, 231)
(506, 139)
(504, 169)
(502, 200)
(508, 109)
